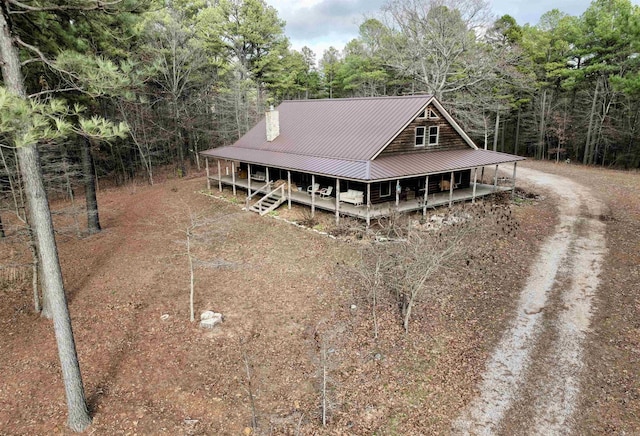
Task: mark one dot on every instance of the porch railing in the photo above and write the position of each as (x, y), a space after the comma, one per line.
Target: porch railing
(270, 201)
(257, 191)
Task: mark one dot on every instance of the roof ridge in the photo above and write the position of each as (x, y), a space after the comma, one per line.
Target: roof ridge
(379, 97)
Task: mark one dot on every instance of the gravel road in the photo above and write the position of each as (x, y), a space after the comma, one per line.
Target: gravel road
(555, 304)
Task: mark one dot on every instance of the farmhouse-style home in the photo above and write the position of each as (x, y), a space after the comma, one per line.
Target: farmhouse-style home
(361, 157)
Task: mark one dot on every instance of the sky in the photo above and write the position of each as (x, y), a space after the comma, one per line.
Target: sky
(319, 24)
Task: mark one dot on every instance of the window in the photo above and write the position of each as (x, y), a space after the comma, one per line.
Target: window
(433, 135)
(420, 132)
(385, 189)
(429, 113)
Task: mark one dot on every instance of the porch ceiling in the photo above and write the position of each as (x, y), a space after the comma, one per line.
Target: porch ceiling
(383, 168)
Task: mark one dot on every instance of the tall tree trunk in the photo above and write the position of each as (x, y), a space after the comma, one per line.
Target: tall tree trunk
(502, 136)
(88, 172)
(515, 144)
(179, 140)
(35, 268)
(46, 311)
(496, 131)
(486, 131)
(540, 151)
(586, 159)
(147, 161)
(29, 163)
(40, 214)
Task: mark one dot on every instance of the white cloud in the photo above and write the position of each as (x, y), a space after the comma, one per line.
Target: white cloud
(320, 24)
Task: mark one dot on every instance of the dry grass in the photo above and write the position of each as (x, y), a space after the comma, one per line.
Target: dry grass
(286, 297)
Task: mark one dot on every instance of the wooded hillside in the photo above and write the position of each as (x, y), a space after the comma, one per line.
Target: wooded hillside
(186, 76)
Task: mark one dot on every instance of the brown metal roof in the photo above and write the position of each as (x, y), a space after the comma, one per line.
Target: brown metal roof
(433, 162)
(346, 128)
(349, 169)
(387, 167)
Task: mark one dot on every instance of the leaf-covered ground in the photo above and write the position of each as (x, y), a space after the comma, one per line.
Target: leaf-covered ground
(287, 296)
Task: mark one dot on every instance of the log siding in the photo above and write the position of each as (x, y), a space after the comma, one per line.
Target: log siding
(405, 142)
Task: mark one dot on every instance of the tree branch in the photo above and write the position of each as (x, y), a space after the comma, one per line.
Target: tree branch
(43, 58)
(25, 8)
(51, 91)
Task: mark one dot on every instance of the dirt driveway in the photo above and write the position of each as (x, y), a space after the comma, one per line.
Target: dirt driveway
(533, 375)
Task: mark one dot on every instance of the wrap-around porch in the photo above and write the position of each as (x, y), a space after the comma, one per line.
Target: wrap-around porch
(407, 197)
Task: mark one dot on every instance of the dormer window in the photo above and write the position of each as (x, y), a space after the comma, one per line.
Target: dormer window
(433, 135)
(420, 134)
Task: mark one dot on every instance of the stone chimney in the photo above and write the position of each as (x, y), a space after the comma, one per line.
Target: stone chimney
(273, 124)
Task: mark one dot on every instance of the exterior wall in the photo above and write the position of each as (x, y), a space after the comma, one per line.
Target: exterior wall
(448, 138)
(414, 187)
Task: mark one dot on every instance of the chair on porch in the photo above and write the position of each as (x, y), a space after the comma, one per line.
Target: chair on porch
(326, 192)
(313, 188)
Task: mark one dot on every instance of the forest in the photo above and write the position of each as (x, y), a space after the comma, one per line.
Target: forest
(178, 77)
(120, 89)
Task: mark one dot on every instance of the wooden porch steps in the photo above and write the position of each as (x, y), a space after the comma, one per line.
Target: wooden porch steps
(269, 202)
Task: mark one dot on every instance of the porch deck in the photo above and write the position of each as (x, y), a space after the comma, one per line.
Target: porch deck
(376, 210)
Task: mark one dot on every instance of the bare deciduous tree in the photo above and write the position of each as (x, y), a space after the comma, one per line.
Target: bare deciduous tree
(214, 227)
(402, 267)
(436, 41)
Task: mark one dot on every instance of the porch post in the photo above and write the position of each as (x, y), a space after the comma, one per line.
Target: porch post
(475, 182)
(426, 195)
(337, 201)
(398, 193)
(206, 163)
(219, 177)
(368, 204)
(451, 189)
(248, 180)
(513, 186)
(495, 180)
(313, 195)
(268, 179)
(233, 176)
(289, 189)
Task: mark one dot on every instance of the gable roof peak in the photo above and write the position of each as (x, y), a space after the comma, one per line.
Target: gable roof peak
(349, 129)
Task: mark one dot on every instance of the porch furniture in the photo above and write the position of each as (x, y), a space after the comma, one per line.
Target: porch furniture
(313, 188)
(352, 196)
(326, 192)
(259, 176)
